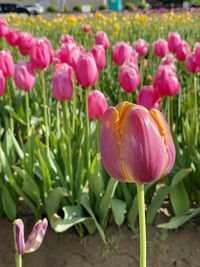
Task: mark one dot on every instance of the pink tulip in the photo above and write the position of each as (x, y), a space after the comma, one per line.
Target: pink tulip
(169, 62)
(41, 53)
(6, 63)
(101, 38)
(24, 76)
(166, 82)
(2, 84)
(174, 39)
(67, 39)
(99, 55)
(26, 41)
(86, 70)
(3, 27)
(197, 54)
(134, 57)
(97, 105)
(62, 85)
(70, 54)
(141, 47)
(148, 97)
(129, 77)
(57, 56)
(160, 48)
(63, 67)
(190, 63)
(121, 52)
(183, 49)
(13, 37)
(136, 144)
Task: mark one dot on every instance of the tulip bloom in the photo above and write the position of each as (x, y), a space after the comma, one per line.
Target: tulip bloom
(67, 39)
(62, 85)
(174, 39)
(97, 104)
(121, 52)
(63, 67)
(190, 63)
(169, 62)
(70, 54)
(136, 144)
(86, 28)
(148, 97)
(24, 76)
(13, 37)
(26, 41)
(57, 56)
(99, 55)
(34, 240)
(134, 57)
(141, 47)
(183, 49)
(101, 38)
(197, 54)
(6, 63)
(160, 48)
(41, 53)
(3, 27)
(2, 84)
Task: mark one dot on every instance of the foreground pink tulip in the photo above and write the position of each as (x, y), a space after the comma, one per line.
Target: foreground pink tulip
(121, 52)
(86, 70)
(24, 76)
(13, 37)
(62, 85)
(41, 53)
(129, 77)
(6, 63)
(136, 144)
(34, 240)
(169, 62)
(101, 38)
(190, 63)
(141, 47)
(97, 105)
(26, 41)
(2, 84)
(148, 97)
(99, 55)
(166, 82)
(160, 48)
(183, 49)
(197, 54)
(134, 57)
(174, 39)
(3, 27)
(63, 67)
(67, 39)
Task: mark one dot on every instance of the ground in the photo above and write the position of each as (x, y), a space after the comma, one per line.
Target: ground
(165, 248)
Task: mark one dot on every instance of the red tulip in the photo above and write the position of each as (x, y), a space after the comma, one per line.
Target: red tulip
(97, 105)
(24, 76)
(62, 85)
(101, 38)
(86, 28)
(99, 55)
(121, 52)
(148, 97)
(6, 63)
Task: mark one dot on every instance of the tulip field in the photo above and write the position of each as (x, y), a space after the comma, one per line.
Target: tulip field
(61, 143)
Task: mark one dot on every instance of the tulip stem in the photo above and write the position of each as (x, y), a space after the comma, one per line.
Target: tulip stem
(196, 111)
(141, 207)
(87, 129)
(74, 111)
(10, 104)
(168, 112)
(18, 260)
(27, 113)
(98, 134)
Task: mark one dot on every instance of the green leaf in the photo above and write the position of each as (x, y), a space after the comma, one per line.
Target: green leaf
(14, 114)
(9, 204)
(118, 208)
(17, 146)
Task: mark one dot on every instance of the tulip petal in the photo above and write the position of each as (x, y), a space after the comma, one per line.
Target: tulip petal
(19, 236)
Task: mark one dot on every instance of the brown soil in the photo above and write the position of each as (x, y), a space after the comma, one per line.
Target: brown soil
(179, 248)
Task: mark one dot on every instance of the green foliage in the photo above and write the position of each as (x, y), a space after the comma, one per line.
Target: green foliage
(103, 7)
(52, 8)
(143, 6)
(92, 8)
(66, 9)
(129, 6)
(77, 8)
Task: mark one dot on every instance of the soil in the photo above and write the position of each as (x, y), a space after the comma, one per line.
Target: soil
(179, 248)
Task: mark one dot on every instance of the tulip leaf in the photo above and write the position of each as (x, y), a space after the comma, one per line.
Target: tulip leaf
(118, 208)
(17, 146)
(9, 204)
(78, 175)
(14, 114)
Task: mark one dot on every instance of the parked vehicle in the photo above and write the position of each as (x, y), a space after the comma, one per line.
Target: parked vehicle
(34, 9)
(12, 7)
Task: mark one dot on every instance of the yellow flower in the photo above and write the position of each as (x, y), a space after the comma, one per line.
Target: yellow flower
(113, 14)
(98, 15)
(64, 31)
(117, 26)
(115, 33)
(98, 28)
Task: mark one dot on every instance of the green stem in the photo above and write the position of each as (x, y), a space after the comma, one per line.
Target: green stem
(27, 114)
(28, 133)
(10, 104)
(129, 97)
(98, 134)
(74, 111)
(168, 112)
(87, 129)
(196, 110)
(141, 207)
(45, 111)
(18, 260)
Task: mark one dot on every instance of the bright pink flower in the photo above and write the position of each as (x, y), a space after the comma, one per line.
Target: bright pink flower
(101, 38)
(86, 70)
(57, 56)
(134, 57)
(63, 67)
(136, 144)
(13, 37)
(62, 85)
(97, 105)
(129, 77)
(41, 53)
(99, 55)
(6, 63)
(183, 49)
(166, 82)
(70, 54)
(26, 41)
(2, 84)
(197, 54)
(141, 47)
(160, 48)
(148, 97)
(121, 52)
(67, 39)
(174, 39)
(24, 76)
(3, 27)
(190, 63)
(169, 62)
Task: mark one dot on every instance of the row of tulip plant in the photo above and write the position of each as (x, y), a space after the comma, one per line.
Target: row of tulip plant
(50, 127)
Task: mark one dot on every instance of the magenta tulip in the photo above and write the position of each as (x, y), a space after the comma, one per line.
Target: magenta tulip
(4, 28)
(121, 52)
(97, 105)
(13, 37)
(134, 57)
(67, 49)
(63, 67)
(41, 53)
(160, 48)
(197, 54)
(129, 77)
(6, 63)
(174, 39)
(86, 70)
(166, 82)
(148, 97)
(101, 38)
(99, 55)
(67, 39)
(183, 49)
(136, 144)
(2, 84)
(190, 63)
(169, 62)
(24, 76)
(57, 57)
(141, 47)
(62, 85)
(26, 41)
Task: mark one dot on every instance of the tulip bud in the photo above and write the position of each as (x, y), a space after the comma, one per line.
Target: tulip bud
(26, 41)
(148, 97)
(99, 56)
(160, 48)
(24, 76)
(190, 63)
(3, 27)
(121, 52)
(136, 144)
(141, 47)
(2, 84)
(6, 63)
(13, 37)
(62, 85)
(101, 38)
(183, 49)
(19, 236)
(97, 105)
(174, 39)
